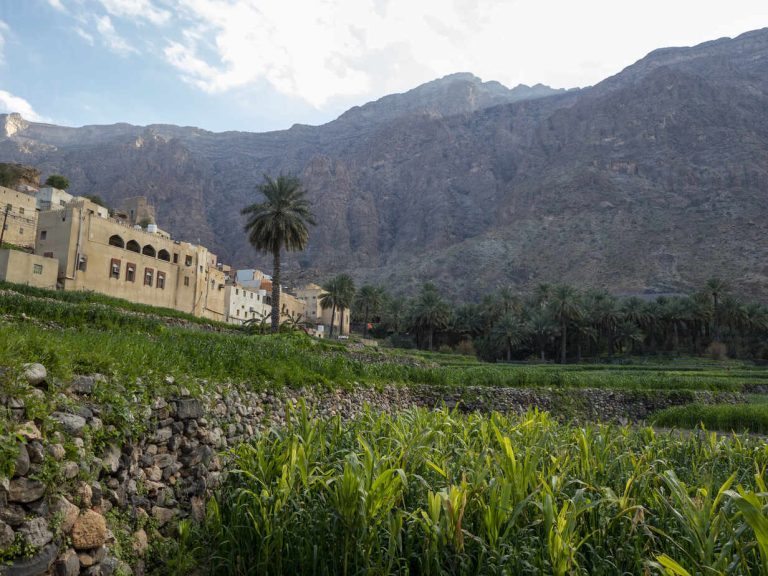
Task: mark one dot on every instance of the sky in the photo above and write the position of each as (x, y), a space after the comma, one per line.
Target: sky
(261, 65)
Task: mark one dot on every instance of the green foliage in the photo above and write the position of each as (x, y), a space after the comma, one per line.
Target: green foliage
(725, 417)
(434, 492)
(57, 181)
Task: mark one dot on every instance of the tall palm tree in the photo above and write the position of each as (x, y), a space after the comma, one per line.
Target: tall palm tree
(717, 288)
(566, 307)
(540, 325)
(330, 299)
(279, 221)
(394, 314)
(508, 332)
(430, 312)
(368, 303)
(346, 288)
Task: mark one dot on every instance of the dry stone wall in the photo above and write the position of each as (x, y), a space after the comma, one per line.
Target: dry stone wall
(84, 499)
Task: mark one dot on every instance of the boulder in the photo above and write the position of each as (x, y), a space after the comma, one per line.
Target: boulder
(163, 515)
(188, 408)
(35, 373)
(110, 462)
(7, 535)
(40, 563)
(89, 531)
(72, 423)
(67, 511)
(83, 384)
(140, 542)
(36, 532)
(67, 564)
(22, 462)
(25, 490)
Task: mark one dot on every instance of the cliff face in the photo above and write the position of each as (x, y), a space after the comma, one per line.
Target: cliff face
(654, 179)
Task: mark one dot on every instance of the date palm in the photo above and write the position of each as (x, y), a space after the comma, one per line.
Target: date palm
(565, 305)
(368, 303)
(717, 288)
(430, 312)
(280, 221)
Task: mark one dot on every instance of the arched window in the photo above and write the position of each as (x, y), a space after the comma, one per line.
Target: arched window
(133, 246)
(149, 250)
(164, 255)
(115, 240)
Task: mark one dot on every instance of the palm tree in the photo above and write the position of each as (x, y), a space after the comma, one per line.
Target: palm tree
(368, 303)
(346, 287)
(565, 306)
(430, 312)
(541, 327)
(394, 314)
(508, 332)
(717, 288)
(330, 299)
(280, 221)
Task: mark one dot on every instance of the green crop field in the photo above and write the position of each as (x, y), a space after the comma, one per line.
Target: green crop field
(441, 493)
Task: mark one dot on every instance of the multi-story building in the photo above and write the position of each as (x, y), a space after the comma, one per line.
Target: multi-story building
(50, 198)
(25, 268)
(18, 217)
(311, 295)
(246, 303)
(107, 256)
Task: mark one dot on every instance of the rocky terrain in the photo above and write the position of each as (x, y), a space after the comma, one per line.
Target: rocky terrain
(651, 181)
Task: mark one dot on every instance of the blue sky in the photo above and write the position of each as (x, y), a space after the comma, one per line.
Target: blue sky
(267, 64)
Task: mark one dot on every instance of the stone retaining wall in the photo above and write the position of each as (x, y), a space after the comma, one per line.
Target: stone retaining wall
(71, 486)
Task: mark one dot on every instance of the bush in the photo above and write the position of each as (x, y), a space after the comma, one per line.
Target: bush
(717, 351)
(465, 348)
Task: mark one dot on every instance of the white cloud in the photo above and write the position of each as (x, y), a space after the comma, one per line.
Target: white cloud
(136, 9)
(57, 5)
(84, 35)
(324, 50)
(10, 103)
(111, 38)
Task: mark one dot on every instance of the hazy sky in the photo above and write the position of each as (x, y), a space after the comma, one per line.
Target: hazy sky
(267, 64)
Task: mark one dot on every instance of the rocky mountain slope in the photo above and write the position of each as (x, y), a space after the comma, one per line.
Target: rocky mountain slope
(652, 180)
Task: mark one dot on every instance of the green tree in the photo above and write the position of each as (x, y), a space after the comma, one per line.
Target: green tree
(566, 307)
(57, 181)
(330, 299)
(541, 327)
(508, 333)
(346, 297)
(339, 294)
(430, 312)
(395, 312)
(279, 221)
(717, 288)
(368, 304)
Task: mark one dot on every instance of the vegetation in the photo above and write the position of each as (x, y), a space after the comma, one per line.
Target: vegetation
(438, 493)
(12, 174)
(57, 181)
(567, 324)
(725, 417)
(367, 303)
(280, 221)
(339, 293)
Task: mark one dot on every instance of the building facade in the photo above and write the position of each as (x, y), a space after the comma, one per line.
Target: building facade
(311, 295)
(246, 304)
(25, 268)
(18, 217)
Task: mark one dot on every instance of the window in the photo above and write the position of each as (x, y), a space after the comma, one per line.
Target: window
(116, 240)
(21, 210)
(47, 254)
(163, 254)
(237, 292)
(161, 280)
(133, 246)
(37, 269)
(149, 250)
(186, 280)
(62, 203)
(114, 268)
(82, 262)
(130, 272)
(237, 312)
(175, 258)
(148, 275)
(21, 230)
(188, 260)
(43, 234)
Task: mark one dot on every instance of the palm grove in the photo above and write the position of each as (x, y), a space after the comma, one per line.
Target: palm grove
(553, 322)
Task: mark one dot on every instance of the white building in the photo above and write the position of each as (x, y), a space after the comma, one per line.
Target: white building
(50, 198)
(242, 303)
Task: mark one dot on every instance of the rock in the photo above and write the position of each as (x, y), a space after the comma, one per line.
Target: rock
(163, 460)
(38, 564)
(22, 462)
(25, 490)
(86, 560)
(188, 408)
(36, 532)
(111, 459)
(108, 566)
(89, 531)
(6, 535)
(72, 423)
(36, 452)
(57, 451)
(12, 514)
(163, 515)
(163, 435)
(140, 542)
(67, 511)
(96, 494)
(154, 473)
(67, 564)
(71, 470)
(35, 373)
(29, 431)
(83, 384)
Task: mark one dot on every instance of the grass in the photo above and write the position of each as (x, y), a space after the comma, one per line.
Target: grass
(751, 417)
(440, 493)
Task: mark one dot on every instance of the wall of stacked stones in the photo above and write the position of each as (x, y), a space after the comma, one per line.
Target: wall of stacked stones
(71, 509)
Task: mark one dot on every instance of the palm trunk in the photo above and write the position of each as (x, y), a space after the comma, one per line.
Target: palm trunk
(333, 320)
(276, 291)
(430, 338)
(562, 347)
(365, 323)
(341, 322)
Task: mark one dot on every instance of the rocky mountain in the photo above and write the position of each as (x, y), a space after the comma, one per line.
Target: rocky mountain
(652, 180)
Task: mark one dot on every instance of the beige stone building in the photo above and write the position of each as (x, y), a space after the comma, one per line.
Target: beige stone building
(311, 295)
(25, 268)
(107, 256)
(18, 217)
(244, 303)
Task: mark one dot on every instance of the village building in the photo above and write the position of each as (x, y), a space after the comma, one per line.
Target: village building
(244, 303)
(18, 217)
(311, 295)
(30, 269)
